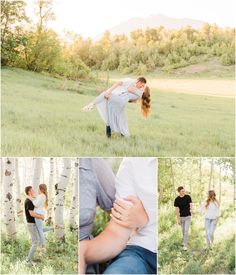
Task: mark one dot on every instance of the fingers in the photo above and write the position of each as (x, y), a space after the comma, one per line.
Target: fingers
(132, 199)
(122, 204)
(118, 208)
(116, 214)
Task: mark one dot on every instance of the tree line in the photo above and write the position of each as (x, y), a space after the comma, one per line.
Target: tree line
(59, 181)
(38, 48)
(198, 176)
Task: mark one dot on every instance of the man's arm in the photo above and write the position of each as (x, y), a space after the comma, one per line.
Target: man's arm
(191, 208)
(107, 244)
(35, 215)
(113, 87)
(177, 214)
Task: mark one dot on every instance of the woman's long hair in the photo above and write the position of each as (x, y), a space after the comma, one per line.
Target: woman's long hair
(145, 102)
(43, 189)
(211, 198)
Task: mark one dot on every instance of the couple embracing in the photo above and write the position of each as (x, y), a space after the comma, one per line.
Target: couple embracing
(112, 102)
(35, 206)
(128, 244)
(184, 210)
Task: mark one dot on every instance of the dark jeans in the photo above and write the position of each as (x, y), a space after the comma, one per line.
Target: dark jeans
(133, 260)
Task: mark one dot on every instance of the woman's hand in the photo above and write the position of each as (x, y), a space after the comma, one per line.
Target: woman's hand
(129, 213)
(82, 261)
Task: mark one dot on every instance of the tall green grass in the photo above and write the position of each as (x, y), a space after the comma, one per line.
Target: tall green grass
(198, 259)
(41, 118)
(61, 258)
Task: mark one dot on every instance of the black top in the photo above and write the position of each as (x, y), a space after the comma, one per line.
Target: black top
(184, 205)
(29, 206)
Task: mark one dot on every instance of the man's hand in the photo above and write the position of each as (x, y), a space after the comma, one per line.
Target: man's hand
(131, 88)
(35, 215)
(113, 87)
(107, 95)
(129, 213)
(178, 215)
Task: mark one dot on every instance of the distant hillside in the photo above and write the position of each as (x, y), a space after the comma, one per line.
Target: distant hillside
(154, 21)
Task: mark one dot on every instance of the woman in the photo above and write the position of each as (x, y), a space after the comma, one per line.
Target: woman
(212, 212)
(111, 104)
(40, 203)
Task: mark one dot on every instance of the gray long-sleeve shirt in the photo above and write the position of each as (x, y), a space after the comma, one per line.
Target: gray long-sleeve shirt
(96, 187)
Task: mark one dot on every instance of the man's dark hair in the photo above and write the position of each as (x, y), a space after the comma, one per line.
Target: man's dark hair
(27, 189)
(180, 188)
(142, 79)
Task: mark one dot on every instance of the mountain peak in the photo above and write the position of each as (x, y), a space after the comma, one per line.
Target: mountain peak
(154, 21)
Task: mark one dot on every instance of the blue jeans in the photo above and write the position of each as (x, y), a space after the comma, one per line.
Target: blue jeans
(133, 260)
(41, 230)
(210, 226)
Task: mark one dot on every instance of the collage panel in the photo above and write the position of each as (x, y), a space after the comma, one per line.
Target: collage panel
(39, 221)
(118, 215)
(141, 78)
(196, 215)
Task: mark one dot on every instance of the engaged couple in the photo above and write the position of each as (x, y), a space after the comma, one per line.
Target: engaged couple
(111, 103)
(128, 244)
(184, 210)
(35, 212)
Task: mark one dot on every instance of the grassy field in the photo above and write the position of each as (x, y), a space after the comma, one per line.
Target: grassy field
(61, 258)
(198, 259)
(41, 117)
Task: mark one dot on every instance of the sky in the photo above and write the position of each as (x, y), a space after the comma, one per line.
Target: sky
(90, 18)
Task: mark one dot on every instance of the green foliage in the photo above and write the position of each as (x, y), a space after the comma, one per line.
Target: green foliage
(12, 14)
(228, 58)
(100, 222)
(37, 48)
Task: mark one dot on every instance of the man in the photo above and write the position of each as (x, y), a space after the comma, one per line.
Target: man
(132, 252)
(123, 85)
(183, 206)
(30, 215)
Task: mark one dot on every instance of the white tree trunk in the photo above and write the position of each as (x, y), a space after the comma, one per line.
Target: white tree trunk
(74, 199)
(50, 192)
(9, 213)
(37, 168)
(211, 174)
(60, 188)
(19, 209)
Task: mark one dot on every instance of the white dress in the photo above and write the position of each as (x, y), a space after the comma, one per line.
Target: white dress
(112, 111)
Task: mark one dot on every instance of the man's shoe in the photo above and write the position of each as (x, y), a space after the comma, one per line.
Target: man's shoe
(108, 131)
(30, 263)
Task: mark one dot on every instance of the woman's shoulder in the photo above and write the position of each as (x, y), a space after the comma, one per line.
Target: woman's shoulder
(42, 196)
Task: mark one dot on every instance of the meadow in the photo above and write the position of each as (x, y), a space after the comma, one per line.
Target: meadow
(41, 117)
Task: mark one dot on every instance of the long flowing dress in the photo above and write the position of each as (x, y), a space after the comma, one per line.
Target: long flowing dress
(112, 111)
